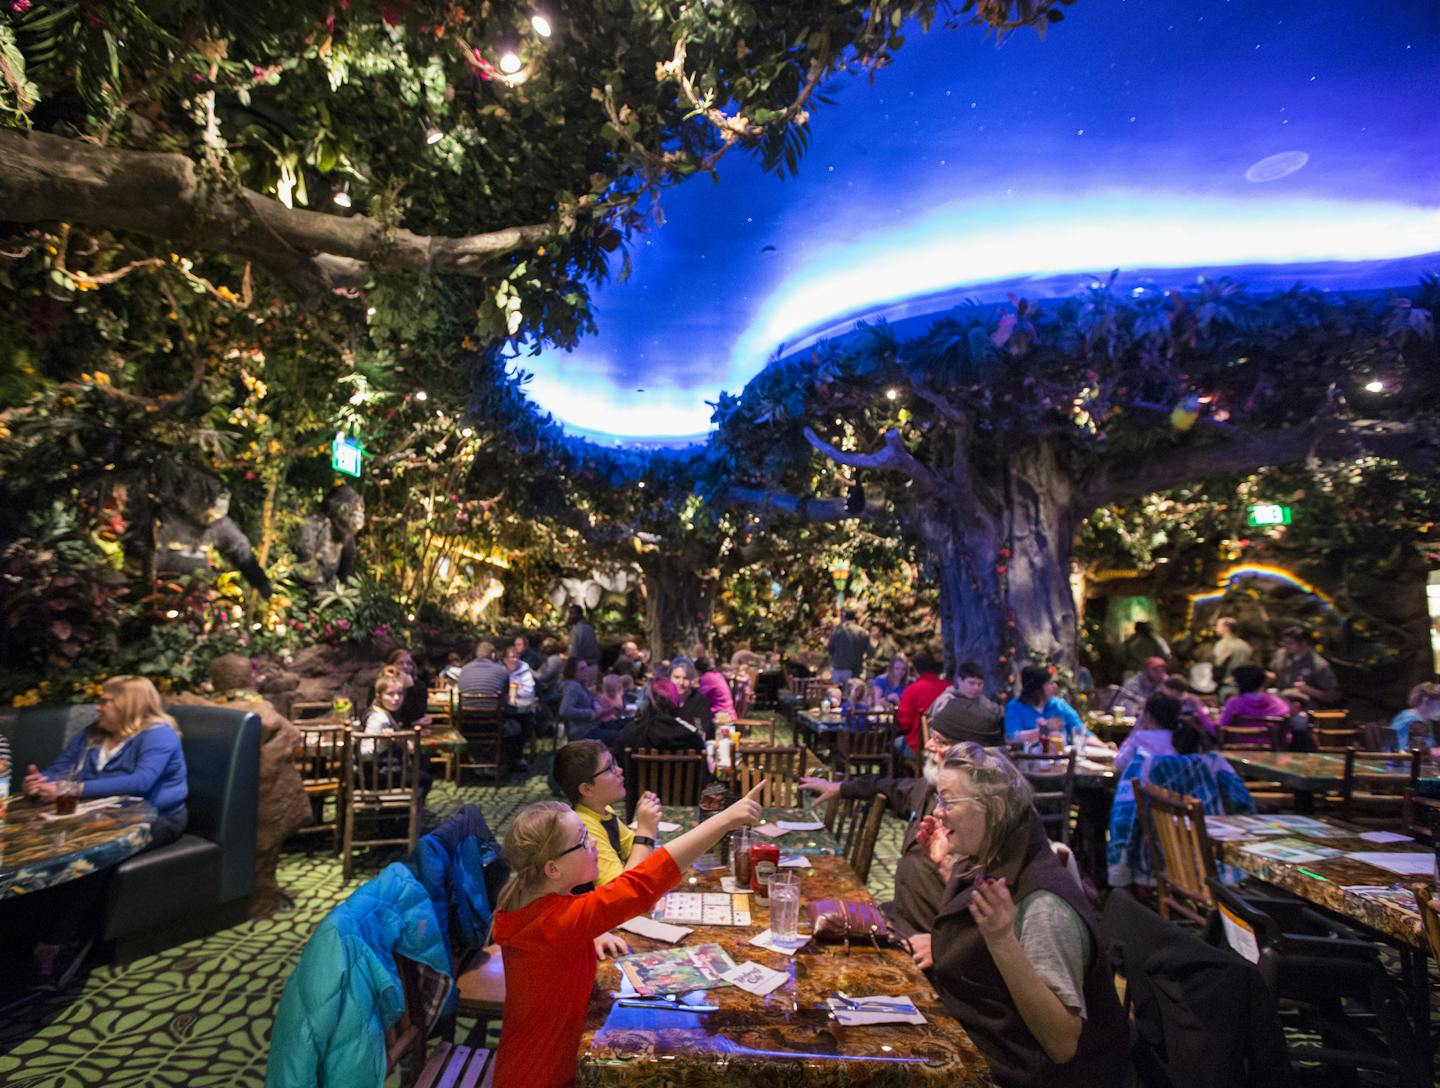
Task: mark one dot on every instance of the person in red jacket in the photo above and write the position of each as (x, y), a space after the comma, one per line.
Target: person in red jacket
(916, 700)
(547, 935)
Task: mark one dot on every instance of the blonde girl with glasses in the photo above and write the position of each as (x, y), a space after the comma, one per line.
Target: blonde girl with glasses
(547, 933)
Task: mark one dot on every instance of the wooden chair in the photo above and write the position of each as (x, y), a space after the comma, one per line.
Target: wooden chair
(674, 777)
(382, 784)
(448, 1065)
(483, 727)
(1174, 830)
(867, 744)
(481, 990)
(319, 759)
(1429, 920)
(1375, 799)
(1421, 819)
(1252, 734)
(315, 711)
(1054, 792)
(855, 821)
(753, 727)
(1333, 731)
(779, 767)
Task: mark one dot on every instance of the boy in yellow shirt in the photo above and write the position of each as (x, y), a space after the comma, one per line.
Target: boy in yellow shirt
(592, 781)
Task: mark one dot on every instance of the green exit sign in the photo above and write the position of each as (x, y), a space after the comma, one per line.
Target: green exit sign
(1269, 513)
(345, 455)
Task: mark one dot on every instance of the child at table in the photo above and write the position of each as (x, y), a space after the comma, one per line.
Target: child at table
(546, 934)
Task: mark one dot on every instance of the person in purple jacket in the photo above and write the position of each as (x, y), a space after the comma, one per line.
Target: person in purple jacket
(713, 685)
(133, 749)
(1251, 702)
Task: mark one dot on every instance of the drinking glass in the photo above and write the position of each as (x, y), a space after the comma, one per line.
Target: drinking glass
(67, 795)
(740, 857)
(785, 907)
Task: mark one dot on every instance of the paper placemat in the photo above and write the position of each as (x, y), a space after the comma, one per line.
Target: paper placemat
(799, 825)
(657, 930)
(1403, 863)
(799, 861)
(856, 1017)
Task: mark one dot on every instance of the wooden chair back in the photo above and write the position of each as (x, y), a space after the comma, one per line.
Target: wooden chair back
(1252, 734)
(312, 710)
(406, 1045)
(807, 690)
(674, 777)
(382, 780)
(1370, 797)
(482, 725)
(1421, 818)
(1053, 779)
(779, 767)
(318, 757)
(855, 821)
(1334, 732)
(1174, 829)
(1429, 920)
(867, 743)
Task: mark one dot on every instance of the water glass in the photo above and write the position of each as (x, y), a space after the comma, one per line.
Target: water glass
(785, 907)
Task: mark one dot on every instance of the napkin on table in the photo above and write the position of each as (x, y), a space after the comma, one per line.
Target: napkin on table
(854, 1017)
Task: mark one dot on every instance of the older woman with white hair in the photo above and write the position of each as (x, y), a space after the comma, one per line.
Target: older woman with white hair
(1018, 958)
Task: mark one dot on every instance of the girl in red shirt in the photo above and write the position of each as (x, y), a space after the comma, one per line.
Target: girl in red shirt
(548, 934)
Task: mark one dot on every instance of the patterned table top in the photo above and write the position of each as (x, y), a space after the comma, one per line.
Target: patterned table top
(1311, 771)
(1324, 881)
(819, 843)
(37, 853)
(787, 1037)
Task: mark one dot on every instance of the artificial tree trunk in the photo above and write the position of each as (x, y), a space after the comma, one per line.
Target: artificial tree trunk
(1004, 567)
(679, 602)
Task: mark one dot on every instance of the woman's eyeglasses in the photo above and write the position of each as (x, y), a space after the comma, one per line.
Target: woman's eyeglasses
(944, 804)
(584, 842)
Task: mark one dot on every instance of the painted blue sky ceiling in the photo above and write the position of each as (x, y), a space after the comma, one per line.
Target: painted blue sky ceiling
(1165, 138)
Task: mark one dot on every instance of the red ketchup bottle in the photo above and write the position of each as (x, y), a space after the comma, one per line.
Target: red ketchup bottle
(764, 860)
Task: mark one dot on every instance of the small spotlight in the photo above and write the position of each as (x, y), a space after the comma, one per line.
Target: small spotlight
(433, 136)
(467, 433)
(370, 311)
(891, 394)
(411, 617)
(172, 614)
(641, 483)
(1375, 387)
(342, 198)
(422, 396)
(510, 64)
(541, 25)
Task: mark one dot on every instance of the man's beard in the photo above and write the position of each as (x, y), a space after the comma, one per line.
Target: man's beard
(931, 770)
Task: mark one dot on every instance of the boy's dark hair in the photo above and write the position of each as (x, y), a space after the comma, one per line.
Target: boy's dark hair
(925, 662)
(1163, 710)
(1299, 634)
(1248, 678)
(577, 763)
(968, 670)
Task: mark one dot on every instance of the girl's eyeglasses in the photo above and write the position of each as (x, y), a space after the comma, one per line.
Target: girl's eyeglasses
(584, 842)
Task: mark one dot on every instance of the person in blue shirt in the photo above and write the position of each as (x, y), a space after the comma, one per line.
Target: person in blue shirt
(1424, 709)
(133, 749)
(891, 684)
(1038, 707)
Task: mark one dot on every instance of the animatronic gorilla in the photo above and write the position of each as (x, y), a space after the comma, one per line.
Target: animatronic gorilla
(194, 518)
(325, 547)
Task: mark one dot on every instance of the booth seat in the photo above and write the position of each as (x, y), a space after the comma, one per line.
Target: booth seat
(204, 880)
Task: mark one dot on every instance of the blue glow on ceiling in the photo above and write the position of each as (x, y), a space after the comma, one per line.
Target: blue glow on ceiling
(1276, 140)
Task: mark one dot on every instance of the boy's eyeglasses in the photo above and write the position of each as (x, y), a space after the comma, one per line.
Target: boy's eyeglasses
(604, 770)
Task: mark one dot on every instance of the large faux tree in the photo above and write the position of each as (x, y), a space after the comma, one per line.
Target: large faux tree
(991, 436)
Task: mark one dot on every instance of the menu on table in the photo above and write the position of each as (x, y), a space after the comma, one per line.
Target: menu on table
(705, 908)
(676, 970)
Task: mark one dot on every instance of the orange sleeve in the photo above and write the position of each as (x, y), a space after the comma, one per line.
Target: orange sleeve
(633, 892)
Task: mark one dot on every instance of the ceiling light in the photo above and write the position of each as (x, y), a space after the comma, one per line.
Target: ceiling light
(1375, 387)
(422, 396)
(510, 64)
(342, 198)
(433, 136)
(891, 394)
(171, 614)
(467, 433)
(541, 25)
(370, 311)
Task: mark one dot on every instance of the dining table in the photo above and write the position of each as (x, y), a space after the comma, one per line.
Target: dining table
(1309, 773)
(1384, 908)
(39, 850)
(790, 1035)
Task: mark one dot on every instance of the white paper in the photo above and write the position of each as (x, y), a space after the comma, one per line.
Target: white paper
(766, 939)
(83, 807)
(660, 931)
(1385, 837)
(755, 978)
(799, 861)
(665, 826)
(1239, 935)
(1404, 864)
(770, 831)
(727, 884)
(854, 1017)
(799, 825)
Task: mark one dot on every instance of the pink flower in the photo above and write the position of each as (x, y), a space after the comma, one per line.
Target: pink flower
(330, 21)
(19, 7)
(344, 5)
(390, 15)
(92, 21)
(196, 77)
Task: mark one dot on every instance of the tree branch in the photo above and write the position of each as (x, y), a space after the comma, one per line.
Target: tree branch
(160, 194)
(801, 506)
(892, 457)
(1131, 476)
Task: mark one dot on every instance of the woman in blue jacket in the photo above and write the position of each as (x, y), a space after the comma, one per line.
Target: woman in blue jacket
(133, 749)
